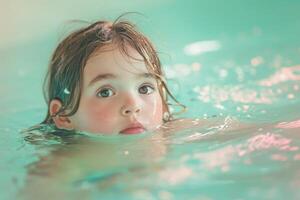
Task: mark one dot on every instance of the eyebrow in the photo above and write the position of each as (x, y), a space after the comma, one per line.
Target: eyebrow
(101, 77)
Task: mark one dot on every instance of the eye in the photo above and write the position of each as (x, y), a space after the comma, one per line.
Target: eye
(106, 92)
(146, 89)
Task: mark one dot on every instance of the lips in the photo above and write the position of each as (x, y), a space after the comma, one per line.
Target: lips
(133, 129)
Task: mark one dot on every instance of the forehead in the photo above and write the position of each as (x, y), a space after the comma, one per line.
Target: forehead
(110, 59)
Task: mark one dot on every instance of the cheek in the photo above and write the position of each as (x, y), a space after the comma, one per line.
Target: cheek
(101, 112)
(98, 116)
(155, 109)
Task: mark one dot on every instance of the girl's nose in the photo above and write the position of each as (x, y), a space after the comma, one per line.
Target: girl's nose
(128, 110)
(131, 104)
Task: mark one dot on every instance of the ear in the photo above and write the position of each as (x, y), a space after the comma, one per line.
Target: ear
(61, 122)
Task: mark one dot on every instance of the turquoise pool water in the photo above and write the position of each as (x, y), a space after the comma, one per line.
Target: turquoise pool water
(236, 61)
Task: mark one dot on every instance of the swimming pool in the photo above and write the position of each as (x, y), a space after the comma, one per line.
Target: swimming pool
(238, 62)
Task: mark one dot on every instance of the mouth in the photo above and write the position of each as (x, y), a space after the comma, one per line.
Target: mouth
(133, 129)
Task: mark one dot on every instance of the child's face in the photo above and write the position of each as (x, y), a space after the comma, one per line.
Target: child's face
(119, 95)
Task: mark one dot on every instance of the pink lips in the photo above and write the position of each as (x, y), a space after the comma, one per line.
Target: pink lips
(133, 129)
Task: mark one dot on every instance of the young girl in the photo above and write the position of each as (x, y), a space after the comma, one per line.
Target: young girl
(106, 78)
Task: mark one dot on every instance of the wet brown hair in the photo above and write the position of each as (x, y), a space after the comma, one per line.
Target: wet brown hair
(64, 79)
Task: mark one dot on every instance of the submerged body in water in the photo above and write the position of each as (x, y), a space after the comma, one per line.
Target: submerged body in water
(190, 159)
